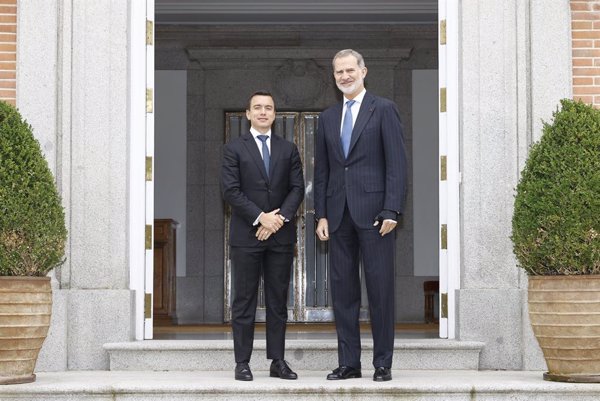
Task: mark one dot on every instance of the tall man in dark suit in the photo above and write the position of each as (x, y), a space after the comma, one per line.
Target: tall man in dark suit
(360, 181)
(262, 180)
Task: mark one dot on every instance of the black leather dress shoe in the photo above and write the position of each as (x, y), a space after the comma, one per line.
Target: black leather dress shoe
(280, 368)
(343, 373)
(243, 372)
(382, 374)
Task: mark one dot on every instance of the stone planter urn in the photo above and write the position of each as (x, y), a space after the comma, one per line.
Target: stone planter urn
(25, 309)
(565, 316)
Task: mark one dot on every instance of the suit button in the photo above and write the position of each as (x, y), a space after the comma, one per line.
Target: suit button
(346, 168)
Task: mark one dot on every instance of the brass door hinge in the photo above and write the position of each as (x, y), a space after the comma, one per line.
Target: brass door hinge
(443, 32)
(148, 236)
(149, 32)
(147, 306)
(149, 101)
(443, 168)
(148, 168)
(444, 236)
(444, 306)
(442, 100)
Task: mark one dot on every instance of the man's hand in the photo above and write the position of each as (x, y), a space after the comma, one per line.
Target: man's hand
(386, 227)
(271, 221)
(262, 233)
(323, 230)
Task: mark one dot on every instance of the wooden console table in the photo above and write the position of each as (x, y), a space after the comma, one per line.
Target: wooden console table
(164, 272)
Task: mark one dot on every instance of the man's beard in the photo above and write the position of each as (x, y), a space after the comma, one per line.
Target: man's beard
(348, 90)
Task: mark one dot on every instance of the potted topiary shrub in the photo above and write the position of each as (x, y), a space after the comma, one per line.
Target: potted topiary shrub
(32, 242)
(556, 237)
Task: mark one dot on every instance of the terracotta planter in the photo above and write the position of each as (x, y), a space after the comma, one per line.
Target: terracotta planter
(565, 316)
(25, 308)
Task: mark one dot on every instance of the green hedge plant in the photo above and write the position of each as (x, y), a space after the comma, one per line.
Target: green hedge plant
(32, 221)
(556, 221)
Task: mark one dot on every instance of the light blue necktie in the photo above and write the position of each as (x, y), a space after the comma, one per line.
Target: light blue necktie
(265, 151)
(347, 127)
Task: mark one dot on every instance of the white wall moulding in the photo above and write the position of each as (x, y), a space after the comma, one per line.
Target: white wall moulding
(271, 59)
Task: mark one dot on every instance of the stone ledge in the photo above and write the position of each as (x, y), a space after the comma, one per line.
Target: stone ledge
(311, 385)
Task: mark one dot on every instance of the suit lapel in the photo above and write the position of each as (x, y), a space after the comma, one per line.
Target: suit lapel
(276, 148)
(250, 144)
(337, 129)
(367, 107)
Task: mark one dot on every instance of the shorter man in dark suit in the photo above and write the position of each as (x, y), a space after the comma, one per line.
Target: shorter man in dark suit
(262, 181)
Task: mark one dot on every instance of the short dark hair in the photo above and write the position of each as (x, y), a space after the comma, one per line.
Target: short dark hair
(259, 93)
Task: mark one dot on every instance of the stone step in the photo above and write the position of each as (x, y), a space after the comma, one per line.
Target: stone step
(456, 385)
(217, 355)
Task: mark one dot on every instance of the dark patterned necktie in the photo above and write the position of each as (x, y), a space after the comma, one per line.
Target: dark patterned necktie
(265, 151)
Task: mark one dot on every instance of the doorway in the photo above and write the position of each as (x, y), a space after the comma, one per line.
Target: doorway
(217, 82)
(399, 27)
(215, 57)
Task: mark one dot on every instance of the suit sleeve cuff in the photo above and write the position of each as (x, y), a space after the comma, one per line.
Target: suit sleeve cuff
(388, 215)
(257, 219)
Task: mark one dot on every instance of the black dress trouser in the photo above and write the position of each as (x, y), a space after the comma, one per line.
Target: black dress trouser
(274, 262)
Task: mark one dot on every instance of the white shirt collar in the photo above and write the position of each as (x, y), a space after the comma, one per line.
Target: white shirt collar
(255, 133)
(358, 99)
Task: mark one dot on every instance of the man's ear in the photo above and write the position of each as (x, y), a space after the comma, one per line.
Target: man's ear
(364, 72)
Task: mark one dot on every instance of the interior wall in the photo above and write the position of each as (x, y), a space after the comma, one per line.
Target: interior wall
(224, 65)
(425, 172)
(170, 144)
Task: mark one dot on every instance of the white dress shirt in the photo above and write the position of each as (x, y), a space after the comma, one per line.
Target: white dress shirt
(355, 107)
(255, 134)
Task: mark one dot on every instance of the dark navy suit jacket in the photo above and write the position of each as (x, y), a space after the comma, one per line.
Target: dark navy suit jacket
(249, 190)
(372, 179)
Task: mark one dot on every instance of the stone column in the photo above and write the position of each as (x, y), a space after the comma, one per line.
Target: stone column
(512, 74)
(73, 89)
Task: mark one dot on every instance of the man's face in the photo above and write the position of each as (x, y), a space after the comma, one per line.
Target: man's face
(261, 113)
(349, 77)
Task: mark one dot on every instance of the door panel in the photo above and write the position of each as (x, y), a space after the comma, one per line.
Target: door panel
(309, 296)
(316, 304)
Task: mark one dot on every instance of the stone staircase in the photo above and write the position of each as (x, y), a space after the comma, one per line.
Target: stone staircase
(193, 370)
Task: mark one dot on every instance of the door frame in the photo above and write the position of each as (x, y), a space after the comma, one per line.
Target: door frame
(449, 165)
(142, 142)
(141, 155)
